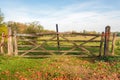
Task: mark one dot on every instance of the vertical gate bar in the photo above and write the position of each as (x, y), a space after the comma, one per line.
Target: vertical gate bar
(101, 44)
(58, 43)
(113, 43)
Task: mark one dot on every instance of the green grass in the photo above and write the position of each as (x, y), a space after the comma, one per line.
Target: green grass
(59, 68)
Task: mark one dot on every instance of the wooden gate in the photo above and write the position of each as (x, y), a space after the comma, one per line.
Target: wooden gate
(56, 43)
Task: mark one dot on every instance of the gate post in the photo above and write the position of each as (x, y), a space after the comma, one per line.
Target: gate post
(15, 43)
(106, 43)
(10, 43)
(2, 43)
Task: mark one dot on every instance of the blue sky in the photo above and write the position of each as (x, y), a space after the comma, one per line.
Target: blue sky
(71, 15)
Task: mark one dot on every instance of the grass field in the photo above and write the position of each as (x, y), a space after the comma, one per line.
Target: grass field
(59, 68)
(62, 67)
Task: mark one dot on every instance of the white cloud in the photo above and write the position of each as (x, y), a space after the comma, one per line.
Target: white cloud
(77, 16)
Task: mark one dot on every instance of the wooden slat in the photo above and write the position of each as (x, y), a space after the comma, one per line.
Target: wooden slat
(61, 51)
(30, 41)
(62, 46)
(89, 40)
(27, 35)
(113, 43)
(84, 49)
(15, 44)
(69, 51)
(54, 33)
(69, 40)
(29, 50)
(60, 33)
(83, 34)
(70, 33)
(20, 40)
(25, 45)
(39, 46)
(101, 44)
(37, 56)
(75, 45)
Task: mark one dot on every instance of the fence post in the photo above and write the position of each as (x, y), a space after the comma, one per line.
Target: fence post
(10, 43)
(101, 44)
(106, 43)
(113, 43)
(58, 43)
(2, 43)
(15, 43)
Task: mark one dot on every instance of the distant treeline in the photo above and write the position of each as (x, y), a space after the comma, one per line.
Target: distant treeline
(118, 33)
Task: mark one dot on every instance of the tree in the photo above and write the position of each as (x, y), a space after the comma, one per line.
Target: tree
(34, 28)
(3, 27)
(1, 17)
(16, 26)
(84, 31)
(29, 28)
(118, 33)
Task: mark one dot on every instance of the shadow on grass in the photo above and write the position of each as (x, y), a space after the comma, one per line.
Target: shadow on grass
(94, 59)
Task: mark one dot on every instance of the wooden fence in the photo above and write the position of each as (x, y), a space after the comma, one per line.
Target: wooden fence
(59, 43)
